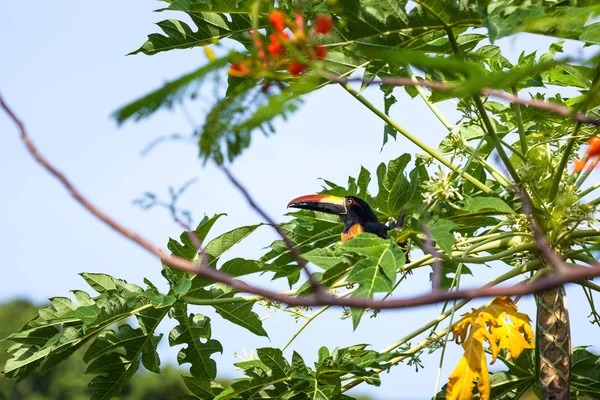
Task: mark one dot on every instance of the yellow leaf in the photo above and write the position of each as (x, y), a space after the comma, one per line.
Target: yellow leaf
(472, 366)
(499, 324)
(515, 336)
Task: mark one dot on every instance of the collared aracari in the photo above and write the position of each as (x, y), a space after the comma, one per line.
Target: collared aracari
(355, 213)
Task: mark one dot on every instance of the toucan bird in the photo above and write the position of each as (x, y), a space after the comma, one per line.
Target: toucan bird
(355, 213)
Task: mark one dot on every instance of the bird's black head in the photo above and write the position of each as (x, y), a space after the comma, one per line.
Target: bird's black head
(351, 209)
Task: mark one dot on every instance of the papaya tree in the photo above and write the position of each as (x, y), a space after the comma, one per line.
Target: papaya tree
(508, 184)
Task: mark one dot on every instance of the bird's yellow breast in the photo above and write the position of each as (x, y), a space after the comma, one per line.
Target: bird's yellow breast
(353, 231)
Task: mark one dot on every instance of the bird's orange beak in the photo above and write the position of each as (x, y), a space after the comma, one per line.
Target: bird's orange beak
(320, 202)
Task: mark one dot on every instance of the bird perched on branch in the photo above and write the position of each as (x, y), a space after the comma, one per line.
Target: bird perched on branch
(355, 213)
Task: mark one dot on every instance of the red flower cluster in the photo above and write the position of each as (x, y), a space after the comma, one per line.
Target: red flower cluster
(273, 57)
(593, 152)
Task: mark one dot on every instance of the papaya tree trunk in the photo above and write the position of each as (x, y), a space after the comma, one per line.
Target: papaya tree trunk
(553, 344)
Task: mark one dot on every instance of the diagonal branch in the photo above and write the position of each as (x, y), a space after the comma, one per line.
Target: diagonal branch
(441, 86)
(436, 277)
(573, 274)
(317, 286)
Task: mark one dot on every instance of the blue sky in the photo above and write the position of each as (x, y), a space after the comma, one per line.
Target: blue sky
(64, 71)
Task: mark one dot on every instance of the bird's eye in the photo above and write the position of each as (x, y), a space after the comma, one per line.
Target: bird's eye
(349, 201)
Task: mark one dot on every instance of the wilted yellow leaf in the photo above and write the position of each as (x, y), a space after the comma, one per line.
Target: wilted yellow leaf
(487, 324)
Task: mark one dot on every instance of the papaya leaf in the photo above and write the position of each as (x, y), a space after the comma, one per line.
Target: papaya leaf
(585, 373)
(186, 248)
(205, 389)
(214, 20)
(191, 331)
(169, 95)
(377, 272)
(239, 313)
(441, 232)
(113, 355)
(229, 125)
(552, 19)
(487, 324)
(395, 190)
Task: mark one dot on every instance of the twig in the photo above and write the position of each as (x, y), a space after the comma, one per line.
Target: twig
(573, 274)
(436, 277)
(318, 288)
(511, 98)
(540, 239)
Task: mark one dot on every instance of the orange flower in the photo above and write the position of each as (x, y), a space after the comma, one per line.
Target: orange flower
(299, 33)
(594, 146)
(320, 51)
(277, 20)
(296, 68)
(323, 24)
(239, 70)
(276, 48)
(579, 165)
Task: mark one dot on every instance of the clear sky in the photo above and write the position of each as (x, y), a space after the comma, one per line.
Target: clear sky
(63, 69)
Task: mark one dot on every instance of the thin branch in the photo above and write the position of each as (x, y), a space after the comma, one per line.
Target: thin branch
(573, 274)
(436, 277)
(441, 86)
(317, 286)
(541, 240)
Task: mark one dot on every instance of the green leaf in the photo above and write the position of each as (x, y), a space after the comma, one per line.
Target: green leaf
(169, 95)
(229, 125)
(205, 389)
(441, 232)
(115, 355)
(99, 282)
(309, 230)
(216, 248)
(240, 314)
(375, 273)
(554, 19)
(585, 373)
(214, 20)
(449, 272)
(324, 258)
(61, 329)
(395, 190)
(273, 358)
(476, 204)
(186, 248)
(191, 329)
(241, 267)
(388, 101)
(219, 245)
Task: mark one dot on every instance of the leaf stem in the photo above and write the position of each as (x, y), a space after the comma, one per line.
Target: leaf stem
(213, 302)
(520, 126)
(497, 142)
(430, 150)
(587, 191)
(436, 111)
(486, 120)
(312, 318)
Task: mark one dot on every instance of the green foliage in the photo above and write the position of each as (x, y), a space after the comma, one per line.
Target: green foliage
(271, 375)
(459, 191)
(214, 20)
(171, 94)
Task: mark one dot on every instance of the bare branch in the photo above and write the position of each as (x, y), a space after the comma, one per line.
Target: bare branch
(436, 277)
(512, 98)
(573, 274)
(317, 287)
(541, 241)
